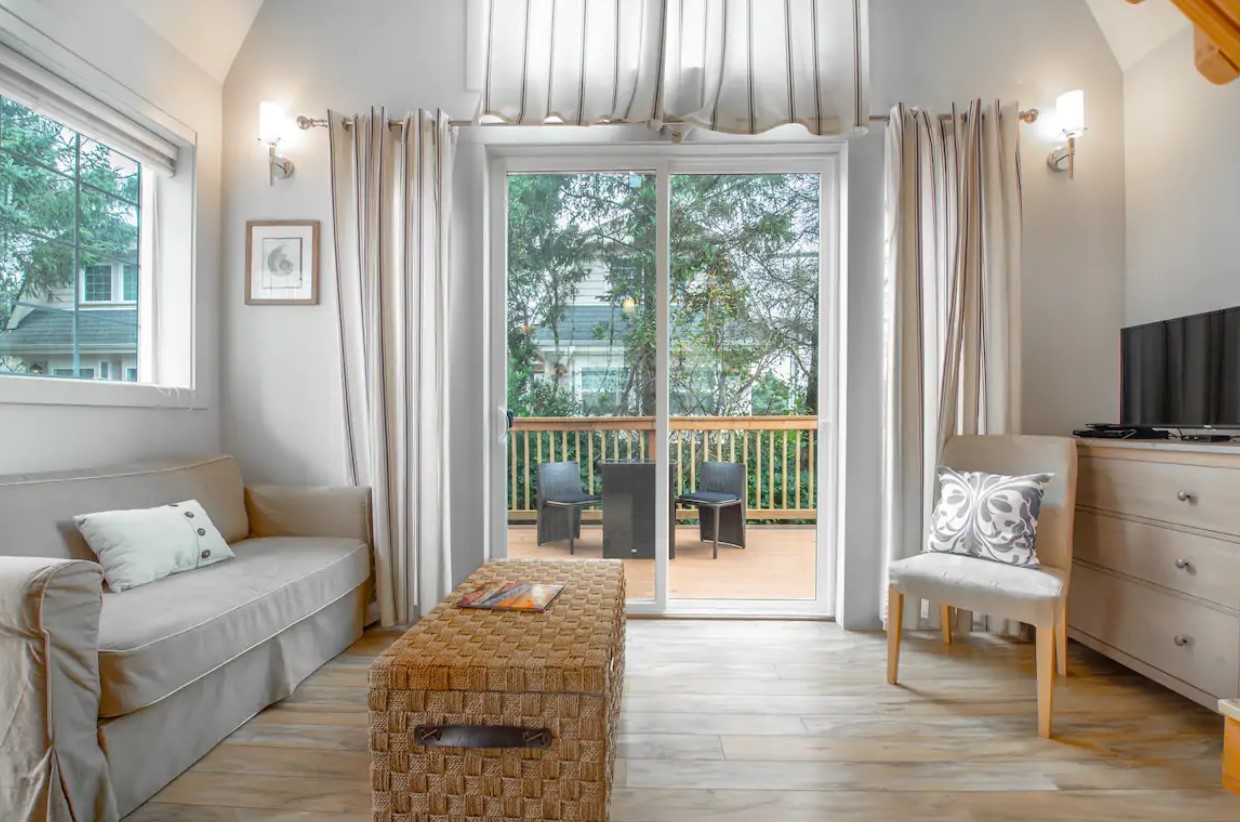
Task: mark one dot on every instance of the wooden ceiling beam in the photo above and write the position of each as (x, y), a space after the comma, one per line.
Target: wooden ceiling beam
(1216, 36)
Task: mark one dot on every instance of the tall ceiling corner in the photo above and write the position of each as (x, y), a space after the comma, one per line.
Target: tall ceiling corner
(210, 34)
(1133, 30)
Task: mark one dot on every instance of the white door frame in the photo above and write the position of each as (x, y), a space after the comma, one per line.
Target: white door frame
(826, 158)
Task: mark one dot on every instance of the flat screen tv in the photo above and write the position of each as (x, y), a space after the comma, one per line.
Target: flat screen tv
(1182, 373)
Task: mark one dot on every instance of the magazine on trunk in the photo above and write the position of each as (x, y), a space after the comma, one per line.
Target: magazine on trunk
(511, 596)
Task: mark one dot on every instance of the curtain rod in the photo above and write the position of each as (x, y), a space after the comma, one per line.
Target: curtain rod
(304, 123)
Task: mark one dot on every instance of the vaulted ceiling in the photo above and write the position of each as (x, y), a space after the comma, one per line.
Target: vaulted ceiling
(210, 32)
(1133, 31)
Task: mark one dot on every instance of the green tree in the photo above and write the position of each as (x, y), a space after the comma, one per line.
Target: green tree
(743, 278)
(44, 213)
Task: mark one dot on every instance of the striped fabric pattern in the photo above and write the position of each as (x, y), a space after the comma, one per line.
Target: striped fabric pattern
(391, 202)
(736, 66)
(952, 233)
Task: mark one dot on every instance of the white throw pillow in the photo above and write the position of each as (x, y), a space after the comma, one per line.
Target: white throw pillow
(143, 545)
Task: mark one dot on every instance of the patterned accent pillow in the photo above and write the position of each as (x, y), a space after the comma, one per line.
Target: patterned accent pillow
(988, 516)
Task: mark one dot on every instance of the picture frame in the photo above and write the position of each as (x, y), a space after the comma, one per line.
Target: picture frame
(282, 262)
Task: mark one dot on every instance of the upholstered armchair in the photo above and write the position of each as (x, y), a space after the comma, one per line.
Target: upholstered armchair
(1037, 596)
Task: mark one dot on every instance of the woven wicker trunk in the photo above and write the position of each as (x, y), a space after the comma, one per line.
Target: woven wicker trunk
(517, 673)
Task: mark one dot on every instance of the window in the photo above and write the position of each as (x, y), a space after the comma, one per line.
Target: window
(70, 226)
(131, 375)
(81, 373)
(129, 284)
(97, 284)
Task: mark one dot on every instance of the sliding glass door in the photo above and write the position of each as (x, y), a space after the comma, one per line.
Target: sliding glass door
(580, 329)
(743, 384)
(665, 367)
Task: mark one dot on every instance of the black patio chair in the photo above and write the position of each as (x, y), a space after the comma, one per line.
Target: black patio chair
(561, 499)
(720, 500)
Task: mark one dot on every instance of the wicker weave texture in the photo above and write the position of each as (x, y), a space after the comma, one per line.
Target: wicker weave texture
(561, 669)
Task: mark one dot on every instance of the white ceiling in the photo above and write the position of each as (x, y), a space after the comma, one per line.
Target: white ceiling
(208, 32)
(1133, 31)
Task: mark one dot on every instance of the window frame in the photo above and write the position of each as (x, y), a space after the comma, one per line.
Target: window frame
(169, 371)
(762, 155)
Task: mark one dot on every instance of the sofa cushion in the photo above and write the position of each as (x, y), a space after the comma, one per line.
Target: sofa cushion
(38, 509)
(158, 638)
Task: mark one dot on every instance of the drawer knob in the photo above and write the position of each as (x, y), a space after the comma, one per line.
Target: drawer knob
(1181, 640)
(1183, 496)
(1183, 564)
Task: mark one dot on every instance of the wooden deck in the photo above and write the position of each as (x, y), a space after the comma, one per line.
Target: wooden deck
(729, 721)
(778, 564)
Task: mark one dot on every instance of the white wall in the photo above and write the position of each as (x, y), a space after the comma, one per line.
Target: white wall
(49, 437)
(1182, 154)
(281, 397)
(281, 392)
(931, 52)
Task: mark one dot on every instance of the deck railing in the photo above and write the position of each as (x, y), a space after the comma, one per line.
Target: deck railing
(779, 452)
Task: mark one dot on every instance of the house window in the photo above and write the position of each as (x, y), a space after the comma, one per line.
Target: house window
(129, 284)
(81, 373)
(71, 217)
(97, 284)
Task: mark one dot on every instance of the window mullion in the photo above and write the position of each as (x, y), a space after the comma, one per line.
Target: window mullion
(77, 252)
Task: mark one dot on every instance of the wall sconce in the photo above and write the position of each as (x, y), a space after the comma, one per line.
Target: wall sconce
(1070, 110)
(272, 126)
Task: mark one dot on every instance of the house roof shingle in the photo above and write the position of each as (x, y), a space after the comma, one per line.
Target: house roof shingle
(48, 329)
(579, 323)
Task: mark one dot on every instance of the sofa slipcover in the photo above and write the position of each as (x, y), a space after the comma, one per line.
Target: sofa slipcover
(158, 638)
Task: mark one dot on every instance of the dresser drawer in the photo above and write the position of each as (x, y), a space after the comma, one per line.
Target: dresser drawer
(1190, 563)
(1191, 642)
(1198, 496)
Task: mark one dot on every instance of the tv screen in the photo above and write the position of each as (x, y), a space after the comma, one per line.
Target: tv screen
(1182, 373)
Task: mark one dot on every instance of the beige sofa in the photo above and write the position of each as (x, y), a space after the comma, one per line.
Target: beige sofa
(106, 697)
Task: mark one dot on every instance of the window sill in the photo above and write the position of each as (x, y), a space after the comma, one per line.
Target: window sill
(18, 390)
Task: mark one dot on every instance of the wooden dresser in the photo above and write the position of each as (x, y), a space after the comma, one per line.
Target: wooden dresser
(1156, 571)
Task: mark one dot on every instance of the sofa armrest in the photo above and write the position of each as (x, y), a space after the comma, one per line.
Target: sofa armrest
(303, 511)
(51, 764)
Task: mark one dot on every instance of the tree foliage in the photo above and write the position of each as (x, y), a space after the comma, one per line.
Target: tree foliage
(743, 280)
(61, 194)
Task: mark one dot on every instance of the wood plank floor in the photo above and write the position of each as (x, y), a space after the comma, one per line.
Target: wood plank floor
(751, 721)
(777, 564)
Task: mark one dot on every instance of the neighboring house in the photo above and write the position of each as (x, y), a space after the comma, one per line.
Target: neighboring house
(590, 348)
(586, 351)
(39, 337)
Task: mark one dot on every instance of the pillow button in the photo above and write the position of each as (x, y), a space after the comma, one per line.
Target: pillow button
(202, 532)
(189, 514)
(205, 554)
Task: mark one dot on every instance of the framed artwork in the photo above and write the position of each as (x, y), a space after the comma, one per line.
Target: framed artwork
(282, 262)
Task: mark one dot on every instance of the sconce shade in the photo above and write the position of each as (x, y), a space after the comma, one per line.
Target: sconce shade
(1070, 108)
(271, 122)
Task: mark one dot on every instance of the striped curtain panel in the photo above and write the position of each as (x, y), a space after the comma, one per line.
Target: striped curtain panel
(391, 188)
(952, 312)
(575, 61)
(737, 66)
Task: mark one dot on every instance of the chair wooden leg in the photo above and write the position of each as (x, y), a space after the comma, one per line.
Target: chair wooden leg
(1061, 639)
(895, 626)
(1046, 678)
(945, 619)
